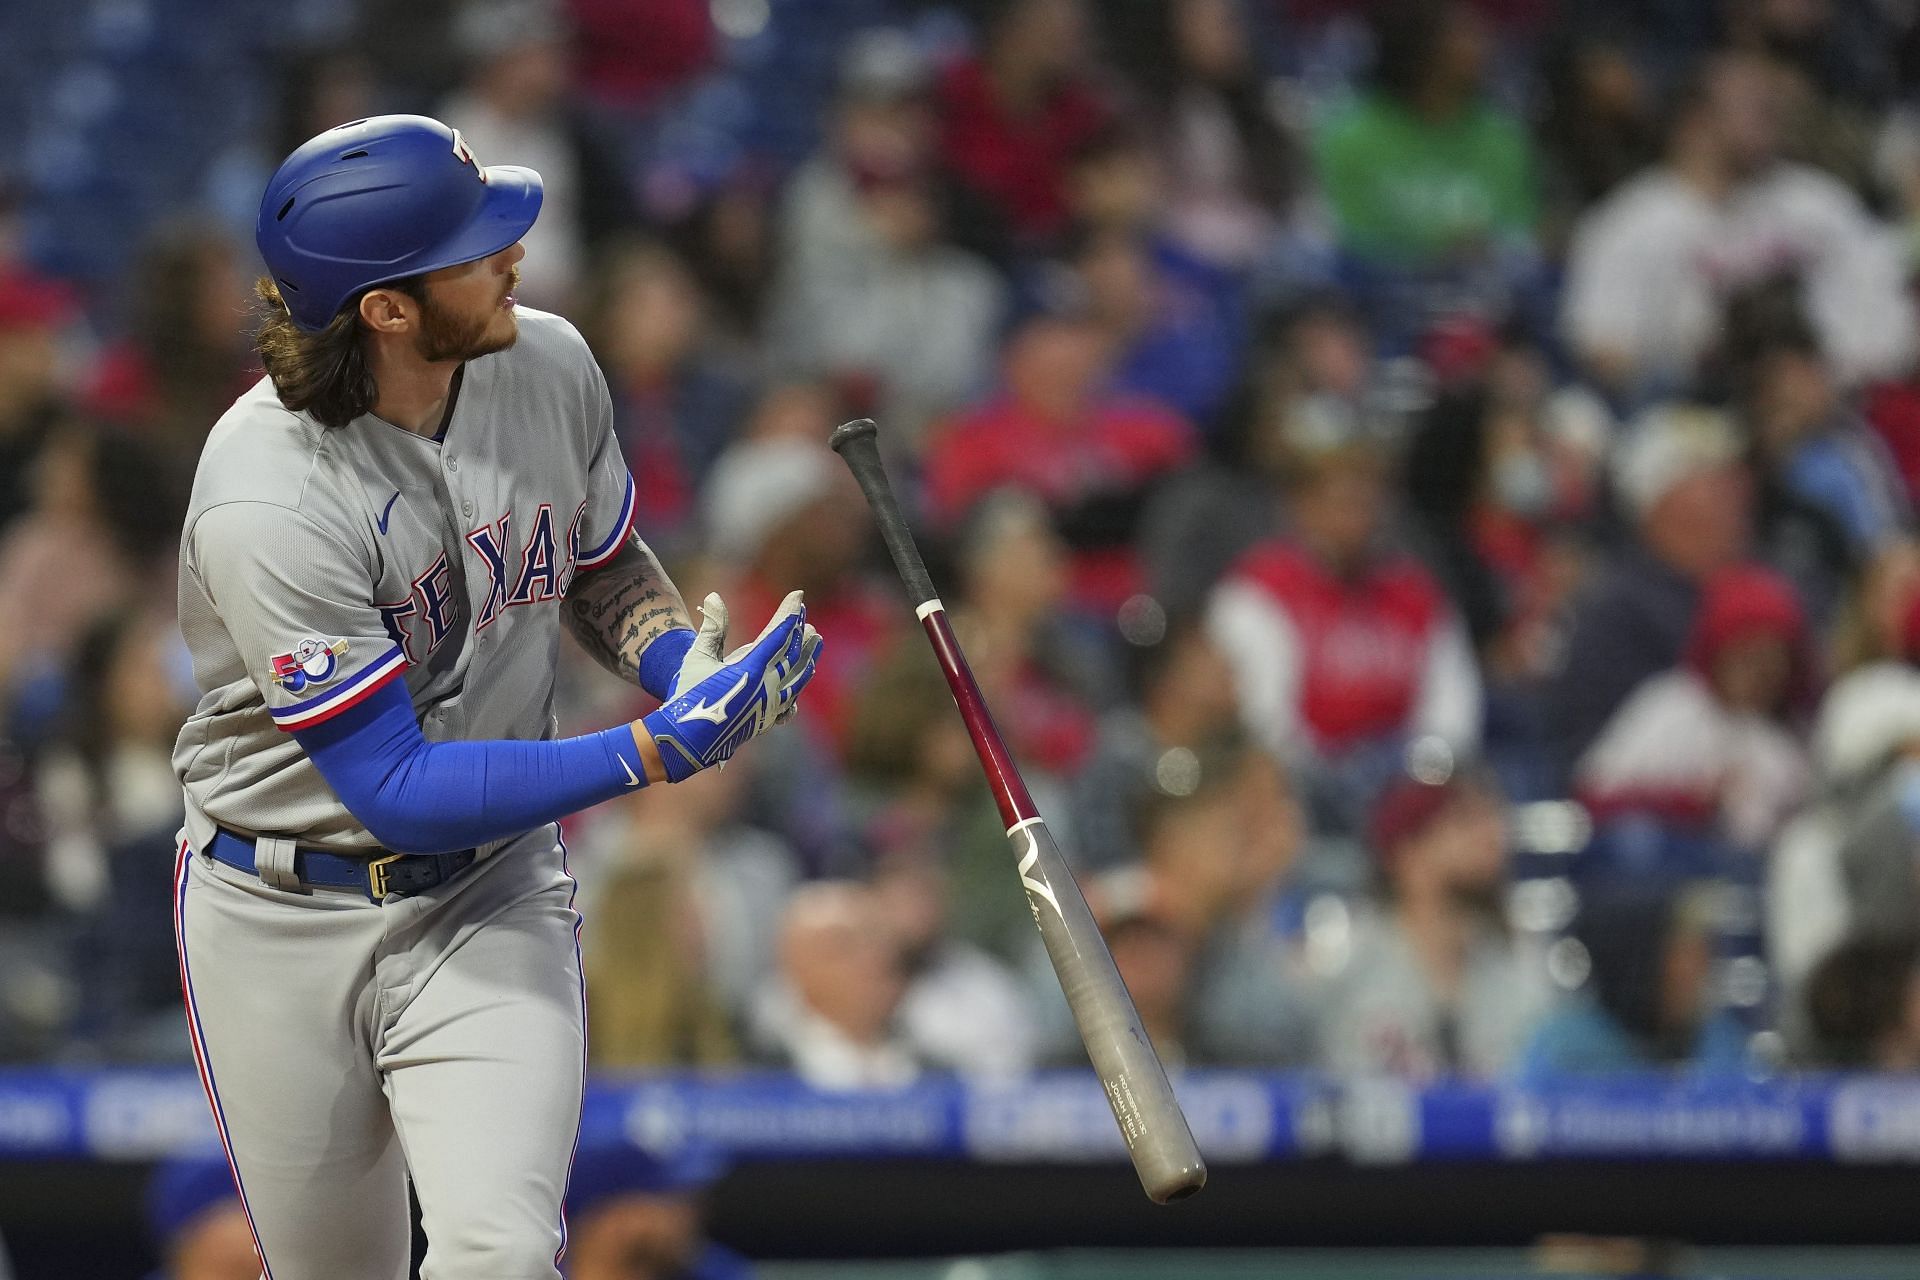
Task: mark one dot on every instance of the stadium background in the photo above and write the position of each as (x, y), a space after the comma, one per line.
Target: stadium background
(1427, 487)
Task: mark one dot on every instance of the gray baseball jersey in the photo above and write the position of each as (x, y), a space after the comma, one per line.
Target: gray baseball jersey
(347, 1045)
(318, 564)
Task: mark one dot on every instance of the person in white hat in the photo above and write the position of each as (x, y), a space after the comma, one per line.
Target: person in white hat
(1681, 486)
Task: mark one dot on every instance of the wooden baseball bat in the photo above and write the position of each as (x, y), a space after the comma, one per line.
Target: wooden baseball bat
(1158, 1140)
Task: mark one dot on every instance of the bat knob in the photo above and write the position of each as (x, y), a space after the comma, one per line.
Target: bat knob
(1187, 1182)
(847, 432)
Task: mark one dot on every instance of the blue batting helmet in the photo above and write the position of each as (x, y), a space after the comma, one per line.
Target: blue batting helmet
(380, 199)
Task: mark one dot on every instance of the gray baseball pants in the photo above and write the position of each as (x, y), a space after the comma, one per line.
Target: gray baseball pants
(346, 1046)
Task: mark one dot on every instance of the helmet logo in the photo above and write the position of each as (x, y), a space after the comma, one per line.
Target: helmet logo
(465, 152)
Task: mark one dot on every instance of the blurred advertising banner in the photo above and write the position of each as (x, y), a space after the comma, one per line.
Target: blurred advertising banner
(1062, 1118)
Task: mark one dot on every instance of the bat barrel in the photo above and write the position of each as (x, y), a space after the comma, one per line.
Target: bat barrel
(1160, 1144)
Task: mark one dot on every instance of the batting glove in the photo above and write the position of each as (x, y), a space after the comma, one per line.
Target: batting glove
(755, 689)
(708, 652)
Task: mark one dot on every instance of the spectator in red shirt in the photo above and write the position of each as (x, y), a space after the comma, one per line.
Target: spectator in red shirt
(1054, 431)
(1341, 645)
(1013, 115)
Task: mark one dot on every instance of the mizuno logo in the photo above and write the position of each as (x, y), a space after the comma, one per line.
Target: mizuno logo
(387, 511)
(715, 713)
(632, 780)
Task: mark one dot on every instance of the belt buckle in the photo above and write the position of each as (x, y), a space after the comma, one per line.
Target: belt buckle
(378, 875)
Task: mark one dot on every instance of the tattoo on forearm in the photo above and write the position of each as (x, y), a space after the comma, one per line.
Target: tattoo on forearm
(618, 609)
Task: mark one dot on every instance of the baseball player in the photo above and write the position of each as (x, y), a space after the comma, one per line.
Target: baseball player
(386, 534)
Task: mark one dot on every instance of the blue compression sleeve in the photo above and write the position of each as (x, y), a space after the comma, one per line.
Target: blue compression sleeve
(417, 796)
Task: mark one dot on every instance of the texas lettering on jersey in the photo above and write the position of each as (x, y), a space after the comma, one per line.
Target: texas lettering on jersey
(542, 570)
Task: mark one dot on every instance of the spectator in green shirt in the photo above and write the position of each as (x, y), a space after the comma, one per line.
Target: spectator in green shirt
(1423, 171)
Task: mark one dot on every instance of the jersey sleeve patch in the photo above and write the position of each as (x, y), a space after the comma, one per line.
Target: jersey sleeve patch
(594, 557)
(349, 692)
(312, 663)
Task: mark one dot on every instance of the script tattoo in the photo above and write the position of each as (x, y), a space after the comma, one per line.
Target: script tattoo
(618, 609)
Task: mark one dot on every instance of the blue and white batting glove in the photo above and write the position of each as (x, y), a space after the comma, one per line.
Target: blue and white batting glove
(708, 653)
(704, 725)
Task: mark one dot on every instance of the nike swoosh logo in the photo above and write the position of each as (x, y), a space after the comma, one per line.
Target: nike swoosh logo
(715, 713)
(388, 512)
(632, 780)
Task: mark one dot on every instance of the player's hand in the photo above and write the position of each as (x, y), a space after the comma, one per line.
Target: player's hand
(704, 725)
(708, 653)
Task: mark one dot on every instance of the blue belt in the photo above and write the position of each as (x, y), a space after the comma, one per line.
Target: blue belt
(378, 876)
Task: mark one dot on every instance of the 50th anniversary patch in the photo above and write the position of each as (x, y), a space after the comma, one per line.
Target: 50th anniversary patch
(313, 662)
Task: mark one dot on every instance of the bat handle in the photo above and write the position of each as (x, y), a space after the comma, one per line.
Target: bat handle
(857, 443)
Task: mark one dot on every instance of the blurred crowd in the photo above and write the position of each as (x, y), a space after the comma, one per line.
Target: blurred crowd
(1426, 486)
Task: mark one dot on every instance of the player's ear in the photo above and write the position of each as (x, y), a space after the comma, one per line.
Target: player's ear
(385, 310)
